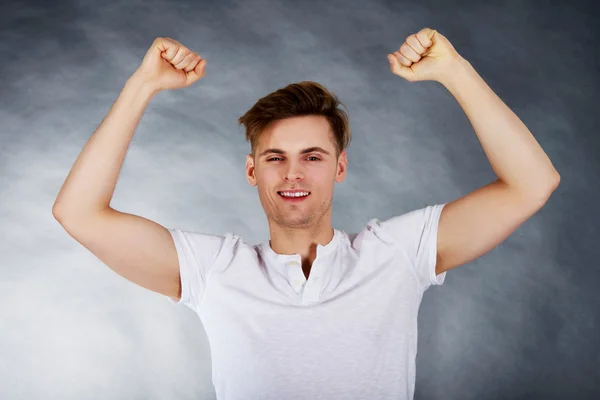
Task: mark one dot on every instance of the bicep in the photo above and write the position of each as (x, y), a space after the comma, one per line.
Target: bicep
(473, 225)
(136, 248)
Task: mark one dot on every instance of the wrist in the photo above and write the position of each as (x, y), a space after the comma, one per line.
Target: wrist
(458, 68)
(140, 83)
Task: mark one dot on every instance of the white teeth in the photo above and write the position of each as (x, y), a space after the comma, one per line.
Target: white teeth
(297, 194)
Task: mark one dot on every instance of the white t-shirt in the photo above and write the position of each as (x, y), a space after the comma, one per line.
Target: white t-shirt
(348, 332)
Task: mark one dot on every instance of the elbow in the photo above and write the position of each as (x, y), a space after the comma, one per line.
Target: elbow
(550, 187)
(554, 182)
(55, 211)
(538, 193)
(59, 212)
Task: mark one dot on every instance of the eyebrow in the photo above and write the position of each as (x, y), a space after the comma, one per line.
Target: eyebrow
(304, 151)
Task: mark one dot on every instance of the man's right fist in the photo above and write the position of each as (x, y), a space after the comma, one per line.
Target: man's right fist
(170, 65)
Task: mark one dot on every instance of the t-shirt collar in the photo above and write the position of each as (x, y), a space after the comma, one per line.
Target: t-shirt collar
(322, 250)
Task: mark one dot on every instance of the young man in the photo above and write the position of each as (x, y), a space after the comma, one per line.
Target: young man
(313, 313)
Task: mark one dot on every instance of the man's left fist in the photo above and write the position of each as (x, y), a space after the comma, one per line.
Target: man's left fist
(424, 56)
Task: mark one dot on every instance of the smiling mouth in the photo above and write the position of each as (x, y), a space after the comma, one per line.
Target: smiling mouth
(300, 195)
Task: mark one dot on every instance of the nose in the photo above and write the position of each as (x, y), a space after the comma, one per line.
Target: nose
(294, 172)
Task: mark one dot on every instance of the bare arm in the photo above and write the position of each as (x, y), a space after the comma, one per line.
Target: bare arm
(90, 185)
(136, 248)
(476, 223)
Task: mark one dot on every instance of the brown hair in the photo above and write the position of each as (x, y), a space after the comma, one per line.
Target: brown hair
(298, 99)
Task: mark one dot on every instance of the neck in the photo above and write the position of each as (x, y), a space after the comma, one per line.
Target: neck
(285, 240)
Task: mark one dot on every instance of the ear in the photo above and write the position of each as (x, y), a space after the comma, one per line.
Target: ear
(250, 177)
(341, 167)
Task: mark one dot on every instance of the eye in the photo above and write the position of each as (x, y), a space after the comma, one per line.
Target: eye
(278, 158)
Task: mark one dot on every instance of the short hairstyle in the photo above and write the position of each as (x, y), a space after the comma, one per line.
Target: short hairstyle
(294, 100)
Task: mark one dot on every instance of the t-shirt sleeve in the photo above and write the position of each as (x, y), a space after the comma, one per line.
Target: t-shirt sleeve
(416, 233)
(197, 254)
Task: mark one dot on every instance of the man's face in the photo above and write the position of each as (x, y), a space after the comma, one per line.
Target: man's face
(283, 163)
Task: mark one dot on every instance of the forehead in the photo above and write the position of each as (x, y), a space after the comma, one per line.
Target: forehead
(296, 133)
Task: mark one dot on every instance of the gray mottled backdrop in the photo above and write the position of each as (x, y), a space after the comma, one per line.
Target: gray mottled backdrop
(522, 322)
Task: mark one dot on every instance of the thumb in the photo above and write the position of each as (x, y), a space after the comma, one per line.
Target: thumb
(399, 69)
(197, 73)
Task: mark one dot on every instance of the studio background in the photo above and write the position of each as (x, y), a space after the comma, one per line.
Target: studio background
(521, 322)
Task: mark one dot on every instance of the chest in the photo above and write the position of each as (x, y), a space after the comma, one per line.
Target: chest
(361, 327)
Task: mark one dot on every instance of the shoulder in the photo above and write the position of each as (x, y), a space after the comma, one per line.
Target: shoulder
(406, 226)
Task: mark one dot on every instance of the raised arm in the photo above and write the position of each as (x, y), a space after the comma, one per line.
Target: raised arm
(140, 250)
(474, 224)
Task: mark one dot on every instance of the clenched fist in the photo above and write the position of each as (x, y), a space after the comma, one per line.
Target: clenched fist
(426, 55)
(170, 65)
